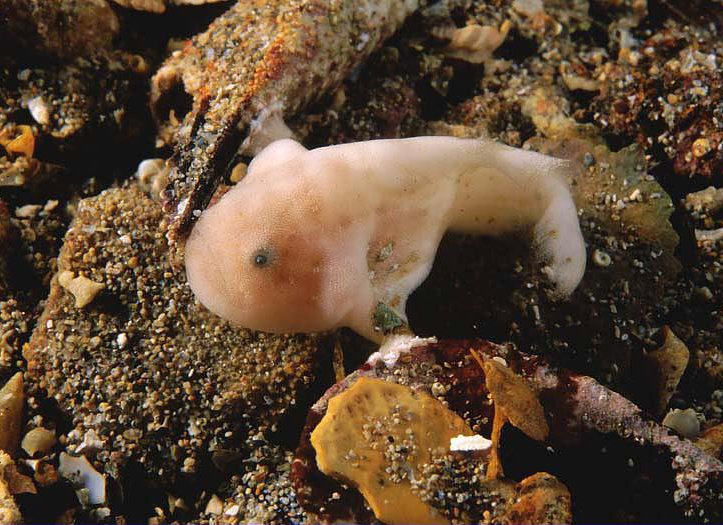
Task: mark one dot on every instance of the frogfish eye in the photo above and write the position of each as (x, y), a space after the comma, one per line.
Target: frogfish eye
(262, 258)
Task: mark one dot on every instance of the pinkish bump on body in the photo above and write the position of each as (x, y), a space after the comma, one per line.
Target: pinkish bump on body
(312, 240)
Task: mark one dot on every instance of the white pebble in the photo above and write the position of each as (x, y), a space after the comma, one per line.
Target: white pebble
(39, 110)
(469, 443)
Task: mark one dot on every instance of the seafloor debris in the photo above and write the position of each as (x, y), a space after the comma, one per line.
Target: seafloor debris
(23, 171)
(515, 398)
(159, 6)
(663, 369)
(9, 512)
(582, 416)
(403, 465)
(82, 100)
(7, 236)
(711, 441)
(258, 62)
(60, 29)
(19, 141)
(673, 86)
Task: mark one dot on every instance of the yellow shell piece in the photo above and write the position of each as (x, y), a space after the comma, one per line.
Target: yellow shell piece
(358, 442)
(23, 144)
(11, 413)
(516, 398)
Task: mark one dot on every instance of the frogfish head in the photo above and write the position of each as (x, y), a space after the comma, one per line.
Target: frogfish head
(261, 259)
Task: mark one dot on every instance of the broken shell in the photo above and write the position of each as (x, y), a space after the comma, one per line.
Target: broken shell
(138, 64)
(391, 415)
(152, 174)
(214, 506)
(701, 147)
(665, 366)
(684, 422)
(83, 289)
(23, 144)
(11, 412)
(528, 8)
(39, 110)
(27, 211)
(38, 440)
(576, 82)
(516, 398)
(601, 258)
(83, 476)
(475, 43)
(709, 200)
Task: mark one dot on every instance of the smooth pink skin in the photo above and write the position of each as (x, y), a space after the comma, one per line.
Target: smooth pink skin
(316, 276)
(347, 227)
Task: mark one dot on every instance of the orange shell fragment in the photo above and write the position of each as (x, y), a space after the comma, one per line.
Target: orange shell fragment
(23, 144)
(515, 397)
(376, 435)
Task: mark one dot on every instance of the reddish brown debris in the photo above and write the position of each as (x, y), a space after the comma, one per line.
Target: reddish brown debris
(669, 98)
(578, 409)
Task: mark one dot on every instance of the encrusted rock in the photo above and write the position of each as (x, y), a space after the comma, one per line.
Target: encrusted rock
(582, 416)
(180, 378)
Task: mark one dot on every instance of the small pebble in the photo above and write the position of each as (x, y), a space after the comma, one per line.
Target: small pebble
(601, 258)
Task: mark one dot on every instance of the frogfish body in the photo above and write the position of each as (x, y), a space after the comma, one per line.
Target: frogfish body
(312, 240)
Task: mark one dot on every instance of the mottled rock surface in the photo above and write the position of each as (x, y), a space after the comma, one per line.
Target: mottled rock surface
(142, 370)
